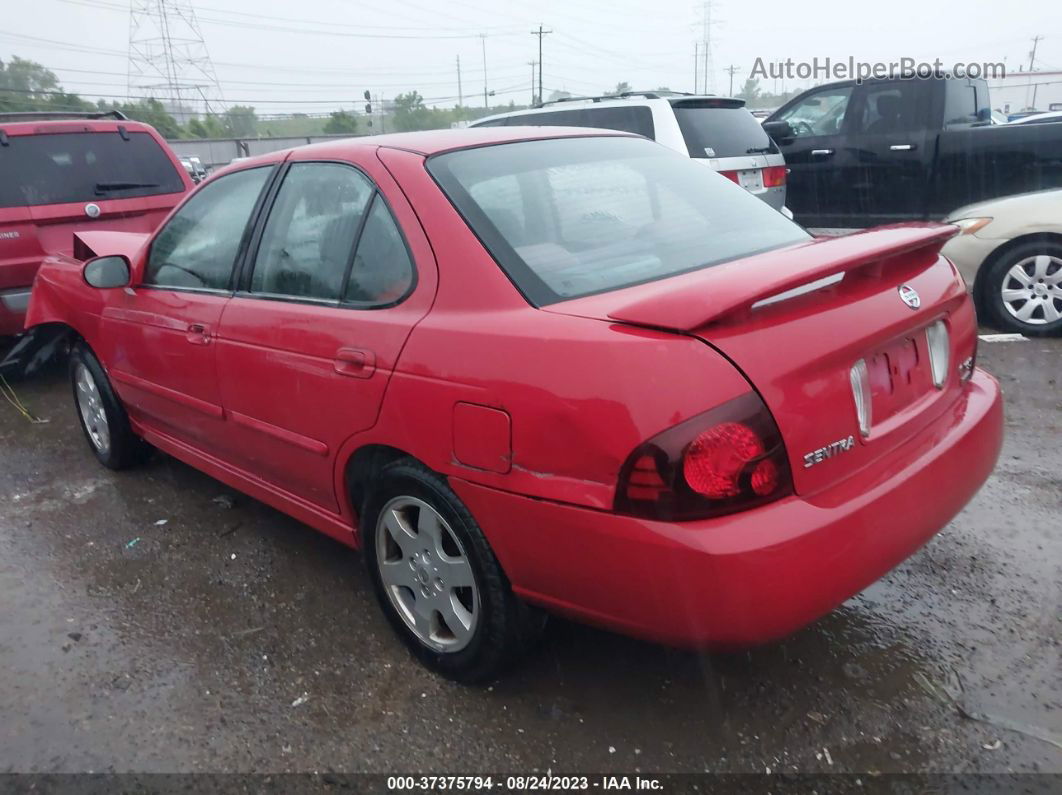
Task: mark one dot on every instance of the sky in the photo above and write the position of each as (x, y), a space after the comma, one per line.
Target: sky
(316, 56)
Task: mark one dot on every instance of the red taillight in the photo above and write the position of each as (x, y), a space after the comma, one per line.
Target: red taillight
(715, 460)
(725, 460)
(774, 176)
(731, 175)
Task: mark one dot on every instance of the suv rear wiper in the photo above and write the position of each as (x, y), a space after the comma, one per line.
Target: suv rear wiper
(103, 187)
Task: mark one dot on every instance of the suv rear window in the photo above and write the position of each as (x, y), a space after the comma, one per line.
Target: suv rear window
(568, 217)
(636, 119)
(55, 168)
(711, 131)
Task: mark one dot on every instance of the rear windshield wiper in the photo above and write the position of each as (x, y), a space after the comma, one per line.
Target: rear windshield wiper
(103, 187)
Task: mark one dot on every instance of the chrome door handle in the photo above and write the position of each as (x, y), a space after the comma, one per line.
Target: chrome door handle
(903, 147)
(821, 152)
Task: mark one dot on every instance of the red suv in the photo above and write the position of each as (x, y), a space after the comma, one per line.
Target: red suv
(65, 173)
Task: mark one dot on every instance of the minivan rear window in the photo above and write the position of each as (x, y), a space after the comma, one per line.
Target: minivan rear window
(54, 168)
(569, 217)
(712, 132)
(636, 119)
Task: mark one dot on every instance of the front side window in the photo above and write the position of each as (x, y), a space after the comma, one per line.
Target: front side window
(576, 216)
(821, 113)
(197, 248)
(309, 238)
(56, 168)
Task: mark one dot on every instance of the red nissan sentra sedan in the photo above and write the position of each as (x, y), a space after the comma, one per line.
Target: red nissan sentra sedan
(529, 368)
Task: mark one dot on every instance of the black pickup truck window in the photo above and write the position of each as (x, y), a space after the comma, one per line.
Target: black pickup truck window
(820, 113)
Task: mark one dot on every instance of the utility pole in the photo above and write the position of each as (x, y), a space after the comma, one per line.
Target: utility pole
(1032, 63)
(1032, 55)
(460, 94)
(540, 33)
(696, 67)
(532, 65)
(483, 41)
(730, 71)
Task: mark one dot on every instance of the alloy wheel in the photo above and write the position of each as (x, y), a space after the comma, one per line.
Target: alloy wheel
(93, 414)
(426, 574)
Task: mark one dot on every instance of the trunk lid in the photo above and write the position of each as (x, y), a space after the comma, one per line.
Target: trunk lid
(794, 321)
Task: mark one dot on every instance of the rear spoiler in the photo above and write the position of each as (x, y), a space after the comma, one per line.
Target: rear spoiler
(738, 286)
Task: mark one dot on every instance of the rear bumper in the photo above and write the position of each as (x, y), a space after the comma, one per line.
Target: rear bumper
(745, 579)
(13, 304)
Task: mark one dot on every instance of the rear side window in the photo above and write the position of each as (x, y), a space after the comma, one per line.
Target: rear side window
(896, 107)
(197, 247)
(636, 119)
(309, 238)
(721, 132)
(56, 168)
(569, 217)
(382, 271)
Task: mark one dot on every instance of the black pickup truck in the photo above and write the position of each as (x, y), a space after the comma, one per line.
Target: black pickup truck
(888, 150)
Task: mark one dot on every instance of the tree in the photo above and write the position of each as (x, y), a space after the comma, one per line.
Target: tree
(241, 121)
(621, 88)
(26, 85)
(555, 95)
(750, 92)
(411, 114)
(341, 122)
(149, 111)
(207, 127)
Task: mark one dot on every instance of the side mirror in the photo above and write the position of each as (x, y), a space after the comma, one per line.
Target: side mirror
(107, 272)
(780, 131)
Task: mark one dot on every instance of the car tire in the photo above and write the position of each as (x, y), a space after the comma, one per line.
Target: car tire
(101, 414)
(416, 533)
(1027, 279)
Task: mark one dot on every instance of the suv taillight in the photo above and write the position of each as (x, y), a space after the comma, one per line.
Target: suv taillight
(774, 176)
(724, 460)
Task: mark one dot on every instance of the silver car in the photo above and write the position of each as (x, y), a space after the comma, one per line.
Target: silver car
(717, 131)
(1009, 251)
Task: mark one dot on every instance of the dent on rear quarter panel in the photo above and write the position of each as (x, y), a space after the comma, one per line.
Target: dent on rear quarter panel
(581, 393)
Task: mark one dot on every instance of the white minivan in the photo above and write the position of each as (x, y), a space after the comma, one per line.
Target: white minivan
(718, 131)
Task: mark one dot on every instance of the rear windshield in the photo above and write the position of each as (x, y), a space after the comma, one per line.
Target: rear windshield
(569, 217)
(636, 119)
(82, 167)
(722, 132)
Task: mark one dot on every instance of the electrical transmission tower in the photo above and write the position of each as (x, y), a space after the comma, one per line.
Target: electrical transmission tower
(168, 58)
(706, 44)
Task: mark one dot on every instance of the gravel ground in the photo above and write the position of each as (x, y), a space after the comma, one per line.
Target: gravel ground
(154, 621)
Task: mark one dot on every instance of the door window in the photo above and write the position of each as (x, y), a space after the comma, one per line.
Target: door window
(382, 271)
(634, 118)
(890, 108)
(197, 248)
(309, 238)
(821, 113)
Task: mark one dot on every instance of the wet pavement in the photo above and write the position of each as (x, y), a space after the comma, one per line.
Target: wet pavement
(148, 625)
